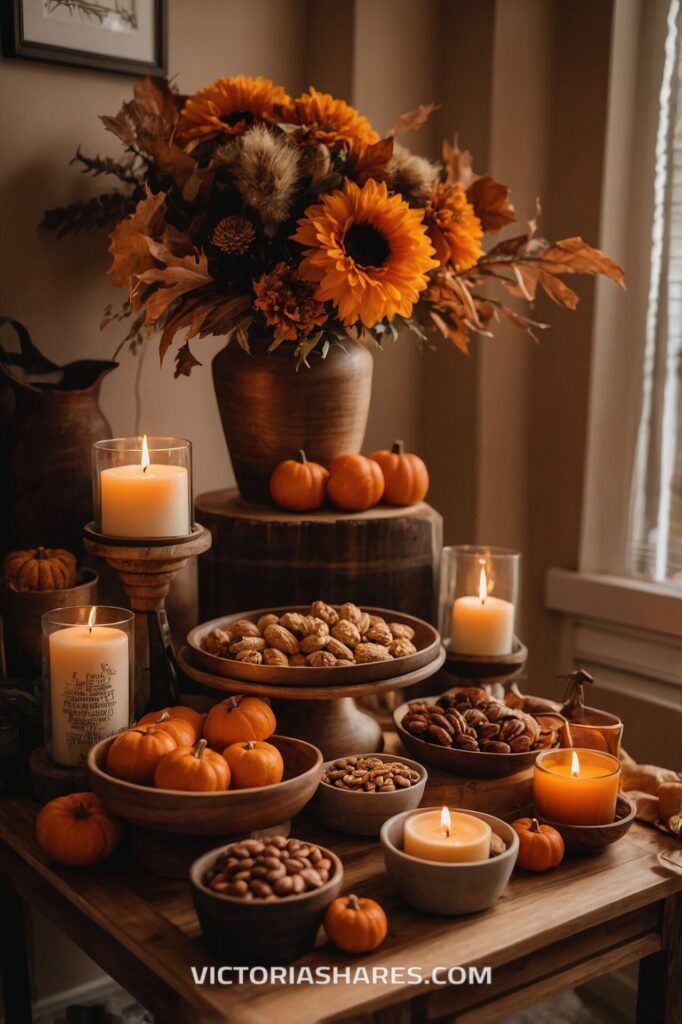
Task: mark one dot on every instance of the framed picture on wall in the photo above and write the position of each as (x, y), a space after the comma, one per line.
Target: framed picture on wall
(127, 36)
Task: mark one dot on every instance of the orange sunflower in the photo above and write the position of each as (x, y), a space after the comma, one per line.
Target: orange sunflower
(454, 228)
(325, 119)
(367, 251)
(229, 106)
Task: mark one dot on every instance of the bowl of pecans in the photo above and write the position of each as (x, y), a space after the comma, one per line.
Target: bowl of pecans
(358, 793)
(467, 732)
(261, 901)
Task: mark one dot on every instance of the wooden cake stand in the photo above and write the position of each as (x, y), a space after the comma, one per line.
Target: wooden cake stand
(327, 715)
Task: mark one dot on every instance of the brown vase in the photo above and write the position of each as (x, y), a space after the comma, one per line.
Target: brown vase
(269, 409)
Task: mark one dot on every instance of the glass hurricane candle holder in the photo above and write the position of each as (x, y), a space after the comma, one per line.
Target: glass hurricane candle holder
(479, 594)
(88, 653)
(142, 487)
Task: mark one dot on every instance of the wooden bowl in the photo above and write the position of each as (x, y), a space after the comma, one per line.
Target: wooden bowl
(474, 764)
(260, 932)
(426, 640)
(587, 839)
(360, 813)
(209, 814)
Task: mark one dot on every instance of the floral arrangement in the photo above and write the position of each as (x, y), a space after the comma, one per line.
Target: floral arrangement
(248, 213)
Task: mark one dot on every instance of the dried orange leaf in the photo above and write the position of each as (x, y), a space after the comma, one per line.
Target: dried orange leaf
(129, 248)
(491, 203)
(414, 119)
(574, 256)
(185, 361)
(370, 161)
(459, 165)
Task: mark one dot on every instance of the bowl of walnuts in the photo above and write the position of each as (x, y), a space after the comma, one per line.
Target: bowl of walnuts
(467, 732)
(314, 645)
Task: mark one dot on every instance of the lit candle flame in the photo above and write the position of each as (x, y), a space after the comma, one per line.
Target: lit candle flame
(575, 765)
(445, 821)
(91, 617)
(144, 461)
(482, 586)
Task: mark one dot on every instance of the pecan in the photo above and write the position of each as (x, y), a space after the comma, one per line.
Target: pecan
(443, 722)
(510, 729)
(495, 747)
(488, 730)
(466, 742)
(415, 724)
(472, 716)
(457, 719)
(440, 736)
(520, 744)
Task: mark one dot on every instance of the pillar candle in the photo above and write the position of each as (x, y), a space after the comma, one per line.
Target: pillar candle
(576, 787)
(446, 835)
(145, 500)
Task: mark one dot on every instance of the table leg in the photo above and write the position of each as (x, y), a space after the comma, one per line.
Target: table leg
(15, 978)
(659, 998)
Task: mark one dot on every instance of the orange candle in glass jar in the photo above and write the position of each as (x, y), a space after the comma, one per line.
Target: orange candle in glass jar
(576, 787)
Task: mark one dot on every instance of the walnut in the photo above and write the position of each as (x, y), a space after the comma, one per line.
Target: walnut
(243, 628)
(281, 639)
(271, 656)
(314, 627)
(400, 648)
(345, 662)
(321, 659)
(346, 632)
(217, 642)
(293, 621)
(267, 620)
(400, 631)
(297, 661)
(371, 652)
(310, 644)
(323, 611)
(378, 634)
(375, 620)
(250, 656)
(249, 643)
(339, 649)
(351, 613)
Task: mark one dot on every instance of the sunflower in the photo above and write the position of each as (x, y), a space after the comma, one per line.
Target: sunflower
(325, 119)
(230, 106)
(454, 228)
(367, 251)
(288, 304)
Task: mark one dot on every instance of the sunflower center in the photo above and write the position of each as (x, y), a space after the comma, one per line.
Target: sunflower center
(237, 117)
(367, 246)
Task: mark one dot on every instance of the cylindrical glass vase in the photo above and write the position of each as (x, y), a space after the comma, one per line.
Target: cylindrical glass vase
(142, 487)
(88, 672)
(479, 596)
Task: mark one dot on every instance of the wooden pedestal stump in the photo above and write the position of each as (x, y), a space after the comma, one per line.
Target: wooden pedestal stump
(262, 557)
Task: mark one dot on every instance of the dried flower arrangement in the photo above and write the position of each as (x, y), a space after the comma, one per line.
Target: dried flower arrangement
(248, 211)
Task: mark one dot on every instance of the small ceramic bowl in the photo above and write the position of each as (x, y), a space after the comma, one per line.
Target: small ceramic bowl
(449, 889)
(261, 932)
(587, 839)
(363, 814)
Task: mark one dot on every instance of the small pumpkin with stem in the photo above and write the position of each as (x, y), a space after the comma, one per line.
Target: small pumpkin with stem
(355, 483)
(182, 730)
(134, 754)
(254, 764)
(77, 830)
(298, 485)
(193, 769)
(355, 924)
(405, 474)
(237, 719)
(178, 711)
(41, 569)
(541, 847)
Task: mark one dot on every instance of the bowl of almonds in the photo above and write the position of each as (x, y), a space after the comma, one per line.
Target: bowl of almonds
(261, 901)
(358, 793)
(314, 645)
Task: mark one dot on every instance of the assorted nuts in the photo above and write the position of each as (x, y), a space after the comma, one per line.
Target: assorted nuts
(326, 637)
(268, 869)
(370, 775)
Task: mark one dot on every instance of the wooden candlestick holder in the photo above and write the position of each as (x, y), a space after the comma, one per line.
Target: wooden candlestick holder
(147, 569)
(487, 670)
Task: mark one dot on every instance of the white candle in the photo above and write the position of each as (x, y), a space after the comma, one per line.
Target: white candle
(455, 837)
(149, 500)
(89, 688)
(482, 625)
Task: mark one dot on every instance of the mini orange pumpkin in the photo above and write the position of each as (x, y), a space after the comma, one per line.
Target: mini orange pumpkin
(355, 924)
(254, 764)
(355, 483)
(135, 753)
(298, 485)
(183, 732)
(179, 711)
(193, 769)
(77, 830)
(541, 847)
(41, 569)
(406, 476)
(237, 719)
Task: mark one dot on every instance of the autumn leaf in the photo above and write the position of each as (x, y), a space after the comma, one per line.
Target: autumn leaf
(129, 248)
(185, 361)
(170, 159)
(453, 333)
(558, 291)
(206, 313)
(177, 276)
(491, 203)
(156, 96)
(370, 161)
(459, 166)
(414, 119)
(574, 256)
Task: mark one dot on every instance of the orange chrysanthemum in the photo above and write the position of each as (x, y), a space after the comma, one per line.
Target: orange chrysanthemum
(325, 119)
(229, 106)
(367, 251)
(454, 228)
(288, 304)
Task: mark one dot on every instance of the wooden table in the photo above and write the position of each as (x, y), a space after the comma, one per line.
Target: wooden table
(548, 932)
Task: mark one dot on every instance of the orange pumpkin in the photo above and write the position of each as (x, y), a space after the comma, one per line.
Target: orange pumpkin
(193, 769)
(406, 476)
(298, 485)
(540, 846)
(183, 732)
(77, 830)
(180, 711)
(355, 924)
(355, 483)
(237, 719)
(254, 764)
(135, 753)
(41, 569)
